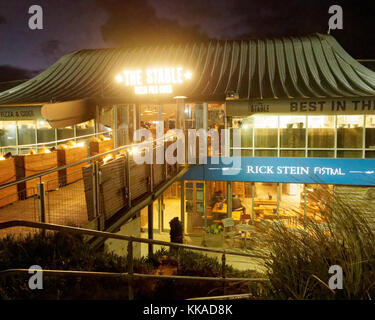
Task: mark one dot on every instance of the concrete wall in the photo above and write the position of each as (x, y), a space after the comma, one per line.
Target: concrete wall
(120, 247)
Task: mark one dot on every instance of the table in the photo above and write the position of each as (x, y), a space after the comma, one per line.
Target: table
(245, 228)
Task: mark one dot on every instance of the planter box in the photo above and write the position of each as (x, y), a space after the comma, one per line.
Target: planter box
(214, 240)
(28, 165)
(100, 146)
(71, 155)
(8, 174)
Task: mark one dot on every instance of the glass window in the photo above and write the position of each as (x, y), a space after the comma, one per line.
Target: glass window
(65, 133)
(26, 132)
(319, 198)
(292, 153)
(370, 132)
(8, 131)
(45, 132)
(349, 131)
(265, 131)
(266, 153)
(292, 131)
(349, 154)
(370, 154)
(321, 132)
(265, 200)
(321, 154)
(106, 119)
(292, 203)
(85, 128)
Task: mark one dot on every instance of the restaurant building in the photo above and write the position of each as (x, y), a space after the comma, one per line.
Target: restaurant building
(305, 109)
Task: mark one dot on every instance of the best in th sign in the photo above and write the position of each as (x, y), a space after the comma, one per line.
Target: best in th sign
(153, 80)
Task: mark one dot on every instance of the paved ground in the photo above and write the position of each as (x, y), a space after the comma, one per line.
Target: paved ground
(66, 206)
(241, 263)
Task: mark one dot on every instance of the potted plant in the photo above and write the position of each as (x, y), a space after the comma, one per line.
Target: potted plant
(213, 235)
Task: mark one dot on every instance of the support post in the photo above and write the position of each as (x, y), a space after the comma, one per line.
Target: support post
(223, 272)
(150, 212)
(41, 203)
(205, 116)
(229, 199)
(130, 269)
(115, 126)
(182, 204)
(252, 202)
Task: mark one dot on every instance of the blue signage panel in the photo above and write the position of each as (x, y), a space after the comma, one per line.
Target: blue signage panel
(287, 170)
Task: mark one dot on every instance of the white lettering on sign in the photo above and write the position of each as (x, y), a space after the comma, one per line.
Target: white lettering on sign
(153, 80)
(294, 170)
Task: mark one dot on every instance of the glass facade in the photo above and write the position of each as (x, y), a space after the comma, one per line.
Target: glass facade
(29, 132)
(324, 136)
(253, 202)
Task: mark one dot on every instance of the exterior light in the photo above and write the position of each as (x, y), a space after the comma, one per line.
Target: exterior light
(2, 158)
(107, 158)
(188, 75)
(42, 123)
(119, 78)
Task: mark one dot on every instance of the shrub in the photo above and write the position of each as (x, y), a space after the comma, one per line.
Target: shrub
(299, 260)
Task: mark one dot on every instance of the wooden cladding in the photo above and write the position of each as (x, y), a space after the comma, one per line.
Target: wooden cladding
(121, 182)
(28, 165)
(100, 146)
(71, 155)
(8, 174)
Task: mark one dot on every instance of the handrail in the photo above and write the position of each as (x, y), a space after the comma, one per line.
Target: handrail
(23, 146)
(104, 234)
(126, 275)
(37, 175)
(130, 275)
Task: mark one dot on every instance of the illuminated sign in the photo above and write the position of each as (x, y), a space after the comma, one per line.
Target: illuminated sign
(288, 170)
(153, 80)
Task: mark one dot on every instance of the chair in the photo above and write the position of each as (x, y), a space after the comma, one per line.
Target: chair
(228, 223)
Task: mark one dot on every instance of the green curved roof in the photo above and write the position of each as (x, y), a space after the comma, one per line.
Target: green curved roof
(294, 67)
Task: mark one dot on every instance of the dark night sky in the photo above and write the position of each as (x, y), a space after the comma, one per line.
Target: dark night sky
(75, 24)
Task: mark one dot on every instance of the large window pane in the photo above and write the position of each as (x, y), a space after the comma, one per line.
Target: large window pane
(370, 132)
(85, 128)
(265, 201)
(292, 153)
(265, 131)
(349, 154)
(292, 204)
(26, 132)
(45, 132)
(292, 131)
(321, 154)
(349, 131)
(321, 132)
(8, 131)
(65, 133)
(265, 153)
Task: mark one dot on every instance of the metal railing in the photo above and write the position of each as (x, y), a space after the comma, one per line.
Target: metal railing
(97, 216)
(130, 275)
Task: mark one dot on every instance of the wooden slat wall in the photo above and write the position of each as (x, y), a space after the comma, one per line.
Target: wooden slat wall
(100, 146)
(88, 186)
(139, 180)
(113, 184)
(70, 155)
(8, 174)
(28, 165)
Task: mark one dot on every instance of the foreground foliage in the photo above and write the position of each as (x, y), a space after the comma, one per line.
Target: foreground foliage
(299, 259)
(70, 252)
